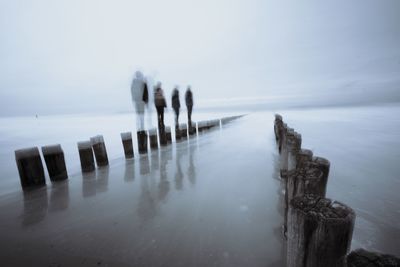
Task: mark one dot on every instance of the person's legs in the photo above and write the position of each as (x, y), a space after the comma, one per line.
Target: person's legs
(159, 116)
(176, 117)
(141, 115)
(162, 116)
(190, 115)
(139, 121)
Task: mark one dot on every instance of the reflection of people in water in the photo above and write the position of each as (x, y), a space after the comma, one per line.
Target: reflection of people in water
(144, 165)
(191, 169)
(163, 186)
(146, 208)
(178, 171)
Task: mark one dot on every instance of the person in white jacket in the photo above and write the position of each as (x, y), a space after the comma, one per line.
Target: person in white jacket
(139, 98)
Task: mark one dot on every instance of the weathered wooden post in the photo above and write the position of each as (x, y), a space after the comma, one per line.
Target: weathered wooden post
(278, 126)
(364, 258)
(192, 128)
(142, 141)
(168, 134)
(163, 136)
(177, 133)
(319, 232)
(153, 138)
(215, 123)
(86, 156)
(323, 164)
(294, 147)
(183, 128)
(30, 167)
(308, 180)
(301, 181)
(128, 144)
(200, 126)
(303, 157)
(284, 157)
(55, 162)
(100, 151)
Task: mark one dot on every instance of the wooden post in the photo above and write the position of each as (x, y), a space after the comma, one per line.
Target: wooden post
(284, 157)
(163, 136)
(323, 164)
(100, 151)
(142, 141)
(294, 147)
(278, 126)
(301, 181)
(303, 157)
(319, 232)
(55, 162)
(364, 258)
(168, 134)
(127, 144)
(177, 133)
(153, 138)
(200, 126)
(30, 167)
(86, 156)
(192, 129)
(183, 128)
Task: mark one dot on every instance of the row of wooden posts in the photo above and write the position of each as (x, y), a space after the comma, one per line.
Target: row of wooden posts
(318, 230)
(30, 166)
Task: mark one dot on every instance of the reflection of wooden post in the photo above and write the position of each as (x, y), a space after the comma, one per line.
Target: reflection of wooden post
(86, 156)
(100, 151)
(168, 134)
(142, 141)
(319, 232)
(30, 167)
(183, 129)
(55, 162)
(153, 138)
(128, 144)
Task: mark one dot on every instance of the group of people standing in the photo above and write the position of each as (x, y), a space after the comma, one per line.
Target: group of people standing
(140, 99)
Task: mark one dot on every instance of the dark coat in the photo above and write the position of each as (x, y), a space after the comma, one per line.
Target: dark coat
(175, 100)
(189, 98)
(159, 99)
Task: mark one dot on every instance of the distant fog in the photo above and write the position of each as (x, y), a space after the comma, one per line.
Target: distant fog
(74, 56)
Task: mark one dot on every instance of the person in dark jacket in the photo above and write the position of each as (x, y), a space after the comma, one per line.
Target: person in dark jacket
(176, 105)
(189, 105)
(160, 103)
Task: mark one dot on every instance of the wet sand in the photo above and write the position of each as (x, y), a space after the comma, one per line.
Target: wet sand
(213, 200)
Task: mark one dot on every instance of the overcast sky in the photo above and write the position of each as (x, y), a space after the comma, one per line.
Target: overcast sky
(80, 55)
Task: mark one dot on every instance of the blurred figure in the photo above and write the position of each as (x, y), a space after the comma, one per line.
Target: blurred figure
(176, 105)
(189, 105)
(160, 103)
(150, 84)
(139, 98)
